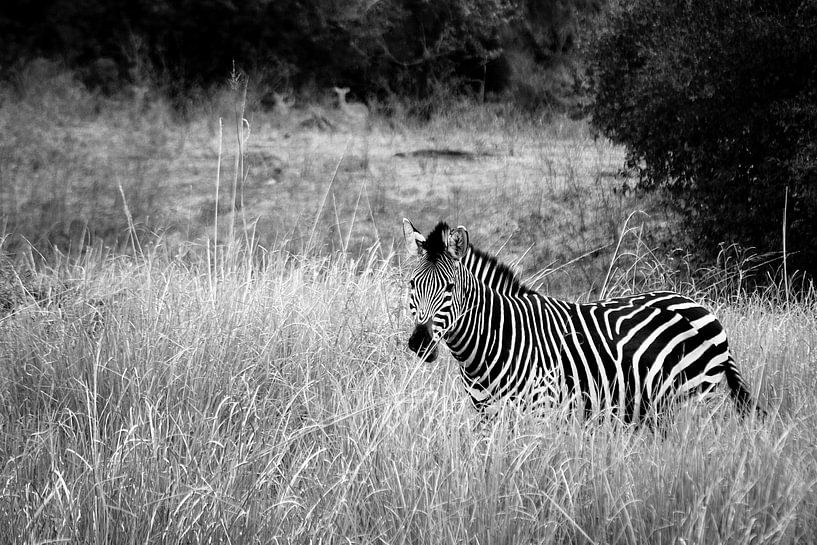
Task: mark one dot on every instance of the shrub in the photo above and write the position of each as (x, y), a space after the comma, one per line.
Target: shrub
(716, 102)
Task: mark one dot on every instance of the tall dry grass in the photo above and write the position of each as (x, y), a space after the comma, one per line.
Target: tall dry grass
(68, 155)
(153, 401)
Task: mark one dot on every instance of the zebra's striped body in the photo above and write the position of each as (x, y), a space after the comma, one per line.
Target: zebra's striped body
(630, 353)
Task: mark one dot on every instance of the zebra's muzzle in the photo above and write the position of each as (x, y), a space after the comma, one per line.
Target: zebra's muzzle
(422, 343)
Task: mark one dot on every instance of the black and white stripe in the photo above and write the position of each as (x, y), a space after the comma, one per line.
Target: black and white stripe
(632, 354)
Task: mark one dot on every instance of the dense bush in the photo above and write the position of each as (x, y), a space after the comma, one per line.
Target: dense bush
(716, 101)
(197, 42)
(404, 47)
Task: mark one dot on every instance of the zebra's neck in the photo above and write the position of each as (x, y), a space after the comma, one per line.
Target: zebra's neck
(482, 278)
(488, 270)
(472, 323)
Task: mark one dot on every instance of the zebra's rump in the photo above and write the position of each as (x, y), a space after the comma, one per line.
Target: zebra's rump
(638, 351)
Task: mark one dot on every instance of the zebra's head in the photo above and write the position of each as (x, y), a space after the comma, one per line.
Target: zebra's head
(432, 283)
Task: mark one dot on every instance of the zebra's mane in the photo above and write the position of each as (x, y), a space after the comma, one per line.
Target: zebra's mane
(435, 242)
(493, 272)
(486, 267)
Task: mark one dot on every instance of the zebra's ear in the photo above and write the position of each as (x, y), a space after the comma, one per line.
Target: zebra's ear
(457, 243)
(414, 240)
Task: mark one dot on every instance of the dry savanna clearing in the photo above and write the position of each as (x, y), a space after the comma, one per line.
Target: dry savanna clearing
(541, 193)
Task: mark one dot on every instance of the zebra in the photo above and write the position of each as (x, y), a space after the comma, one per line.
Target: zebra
(632, 354)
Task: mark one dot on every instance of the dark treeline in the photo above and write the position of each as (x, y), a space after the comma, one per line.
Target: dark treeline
(387, 47)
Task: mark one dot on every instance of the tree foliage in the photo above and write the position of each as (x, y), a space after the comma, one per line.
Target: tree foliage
(391, 42)
(401, 47)
(716, 101)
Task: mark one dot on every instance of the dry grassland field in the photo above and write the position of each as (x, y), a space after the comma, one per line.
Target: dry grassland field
(233, 368)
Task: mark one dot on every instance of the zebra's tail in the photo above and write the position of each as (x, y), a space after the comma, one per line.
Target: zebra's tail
(739, 391)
